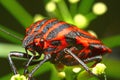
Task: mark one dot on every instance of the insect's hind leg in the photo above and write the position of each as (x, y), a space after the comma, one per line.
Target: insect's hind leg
(68, 51)
(97, 59)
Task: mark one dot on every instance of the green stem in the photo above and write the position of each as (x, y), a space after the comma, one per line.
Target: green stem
(85, 6)
(91, 16)
(64, 11)
(17, 11)
(57, 14)
(73, 9)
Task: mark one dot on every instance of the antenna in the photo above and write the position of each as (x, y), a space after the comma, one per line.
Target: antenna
(10, 34)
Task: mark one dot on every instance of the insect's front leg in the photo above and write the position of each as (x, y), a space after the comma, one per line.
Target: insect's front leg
(20, 55)
(46, 58)
(15, 54)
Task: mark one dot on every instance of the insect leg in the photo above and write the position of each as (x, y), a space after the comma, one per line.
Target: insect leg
(95, 58)
(18, 54)
(47, 57)
(68, 51)
(15, 54)
(29, 60)
(26, 66)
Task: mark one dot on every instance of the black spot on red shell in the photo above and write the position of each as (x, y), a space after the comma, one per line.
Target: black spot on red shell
(56, 42)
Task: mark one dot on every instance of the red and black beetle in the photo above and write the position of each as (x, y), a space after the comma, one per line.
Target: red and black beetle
(60, 42)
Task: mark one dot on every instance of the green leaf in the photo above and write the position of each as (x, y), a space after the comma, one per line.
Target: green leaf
(6, 48)
(10, 35)
(84, 75)
(70, 75)
(113, 41)
(17, 11)
(113, 66)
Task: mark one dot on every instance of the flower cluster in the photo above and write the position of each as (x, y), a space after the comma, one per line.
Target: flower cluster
(79, 13)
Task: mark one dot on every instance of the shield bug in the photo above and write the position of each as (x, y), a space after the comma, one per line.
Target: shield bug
(60, 42)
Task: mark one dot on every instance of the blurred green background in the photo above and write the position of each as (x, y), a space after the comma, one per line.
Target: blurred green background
(16, 15)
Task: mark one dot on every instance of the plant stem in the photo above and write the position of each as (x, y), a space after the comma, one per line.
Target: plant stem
(73, 9)
(64, 11)
(85, 6)
(91, 16)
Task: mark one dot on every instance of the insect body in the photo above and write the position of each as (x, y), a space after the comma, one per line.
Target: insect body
(60, 42)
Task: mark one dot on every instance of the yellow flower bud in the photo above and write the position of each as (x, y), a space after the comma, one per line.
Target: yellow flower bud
(80, 20)
(99, 69)
(73, 1)
(99, 8)
(76, 69)
(50, 6)
(18, 77)
(61, 74)
(38, 17)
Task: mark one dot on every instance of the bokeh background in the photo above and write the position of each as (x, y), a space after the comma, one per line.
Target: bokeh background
(13, 20)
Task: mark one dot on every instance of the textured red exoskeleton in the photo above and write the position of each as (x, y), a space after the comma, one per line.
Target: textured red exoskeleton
(60, 42)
